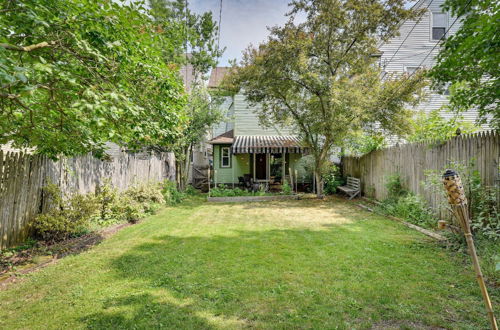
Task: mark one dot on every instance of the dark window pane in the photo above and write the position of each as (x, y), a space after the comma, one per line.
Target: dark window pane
(438, 33)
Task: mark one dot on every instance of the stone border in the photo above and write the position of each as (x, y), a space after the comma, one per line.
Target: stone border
(236, 199)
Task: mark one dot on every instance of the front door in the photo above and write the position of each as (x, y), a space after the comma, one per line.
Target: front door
(260, 167)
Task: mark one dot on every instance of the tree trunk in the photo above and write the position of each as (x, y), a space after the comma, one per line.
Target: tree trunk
(319, 184)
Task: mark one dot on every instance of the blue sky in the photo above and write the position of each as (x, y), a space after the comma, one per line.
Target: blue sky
(243, 21)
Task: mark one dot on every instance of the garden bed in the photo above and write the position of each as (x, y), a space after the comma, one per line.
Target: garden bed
(235, 199)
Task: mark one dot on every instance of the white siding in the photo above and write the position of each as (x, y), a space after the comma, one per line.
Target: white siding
(246, 121)
(228, 123)
(418, 50)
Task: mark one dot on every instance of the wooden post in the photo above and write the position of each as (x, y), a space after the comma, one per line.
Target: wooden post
(283, 167)
(458, 202)
(291, 177)
(209, 179)
(232, 169)
(254, 156)
(296, 182)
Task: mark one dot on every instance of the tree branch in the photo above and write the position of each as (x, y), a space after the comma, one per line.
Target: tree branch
(25, 48)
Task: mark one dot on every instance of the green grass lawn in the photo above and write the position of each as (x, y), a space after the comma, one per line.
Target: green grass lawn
(287, 264)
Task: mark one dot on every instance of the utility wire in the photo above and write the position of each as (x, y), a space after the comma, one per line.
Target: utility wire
(407, 36)
(430, 52)
(218, 40)
(185, 44)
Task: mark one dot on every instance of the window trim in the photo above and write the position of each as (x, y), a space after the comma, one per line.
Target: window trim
(446, 27)
(221, 160)
(406, 67)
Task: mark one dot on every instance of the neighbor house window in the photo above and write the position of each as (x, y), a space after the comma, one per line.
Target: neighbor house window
(411, 69)
(225, 157)
(439, 25)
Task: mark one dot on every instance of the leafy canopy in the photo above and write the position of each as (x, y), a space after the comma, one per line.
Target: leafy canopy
(469, 59)
(321, 76)
(75, 74)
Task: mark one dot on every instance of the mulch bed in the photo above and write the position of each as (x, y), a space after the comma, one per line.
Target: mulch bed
(23, 262)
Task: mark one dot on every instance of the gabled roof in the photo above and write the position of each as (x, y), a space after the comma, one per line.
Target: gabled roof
(217, 75)
(225, 138)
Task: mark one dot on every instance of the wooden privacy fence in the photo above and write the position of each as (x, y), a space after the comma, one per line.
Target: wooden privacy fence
(22, 177)
(411, 161)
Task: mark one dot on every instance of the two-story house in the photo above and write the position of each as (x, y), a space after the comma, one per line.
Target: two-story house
(417, 47)
(243, 149)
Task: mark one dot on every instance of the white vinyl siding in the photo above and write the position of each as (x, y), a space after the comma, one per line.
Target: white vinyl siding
(420, 50)
(246, 120)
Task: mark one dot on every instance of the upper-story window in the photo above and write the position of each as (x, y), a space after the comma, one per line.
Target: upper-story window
(411, 69)
(225, 157)
(439, 25)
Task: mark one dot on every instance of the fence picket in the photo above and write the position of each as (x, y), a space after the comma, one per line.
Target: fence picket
(411, 161)
(23, 176)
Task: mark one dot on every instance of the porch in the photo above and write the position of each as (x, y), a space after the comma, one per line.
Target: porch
(269, 160)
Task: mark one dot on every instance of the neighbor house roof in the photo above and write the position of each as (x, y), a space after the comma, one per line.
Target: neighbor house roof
(226, 138)
(267, 144)
(217, 75)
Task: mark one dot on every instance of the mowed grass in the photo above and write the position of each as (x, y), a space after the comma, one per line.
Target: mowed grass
(289, 264)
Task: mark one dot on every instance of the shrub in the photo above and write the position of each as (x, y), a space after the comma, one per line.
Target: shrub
(106, 196)
(410, 207)
(405, 205)
(332, 179)
(146, 193)
(395, 186)
(286, 189)
(483, 200)
(170, 192)
(66, 217)
(224, 191)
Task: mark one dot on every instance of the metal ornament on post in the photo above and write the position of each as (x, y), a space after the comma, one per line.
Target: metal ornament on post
(458, 203)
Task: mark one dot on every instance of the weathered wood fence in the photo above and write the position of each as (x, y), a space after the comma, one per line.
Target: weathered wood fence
(411, 161)
(22, 177)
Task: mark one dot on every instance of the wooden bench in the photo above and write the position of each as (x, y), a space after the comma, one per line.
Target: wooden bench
(352, 188)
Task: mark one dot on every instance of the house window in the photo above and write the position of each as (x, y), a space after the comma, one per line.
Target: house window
(439, 25)
(225, 157)
(411, 69)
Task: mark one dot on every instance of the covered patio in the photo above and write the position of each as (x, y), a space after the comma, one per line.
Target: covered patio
(256, 159)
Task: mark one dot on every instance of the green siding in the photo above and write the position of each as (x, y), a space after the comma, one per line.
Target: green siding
(240, 165)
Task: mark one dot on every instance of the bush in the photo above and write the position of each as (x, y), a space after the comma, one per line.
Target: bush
(286, 188)
(224, 191)
(170, 193)
(66, 217)
(146, 193)
(403, 204)
(332, 179)
(483, 200)
(411, 208)
(107, 198)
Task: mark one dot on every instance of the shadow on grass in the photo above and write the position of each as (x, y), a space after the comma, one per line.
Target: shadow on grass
(339, 276)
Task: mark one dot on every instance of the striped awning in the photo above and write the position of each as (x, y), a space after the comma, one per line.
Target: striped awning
(267, 144)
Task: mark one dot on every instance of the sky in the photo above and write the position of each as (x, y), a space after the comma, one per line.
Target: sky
(243, 22)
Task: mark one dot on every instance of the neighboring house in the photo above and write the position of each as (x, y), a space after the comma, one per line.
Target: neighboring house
(417, 47)
(246, 150)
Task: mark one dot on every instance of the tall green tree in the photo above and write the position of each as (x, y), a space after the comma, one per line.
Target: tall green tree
(192, 33)
(75, 74)
(204, 112)
(320, 76)
(470, 58)
(196, 34)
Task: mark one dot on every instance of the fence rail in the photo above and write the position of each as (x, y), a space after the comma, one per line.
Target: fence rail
(411, 161)
(22, 177)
